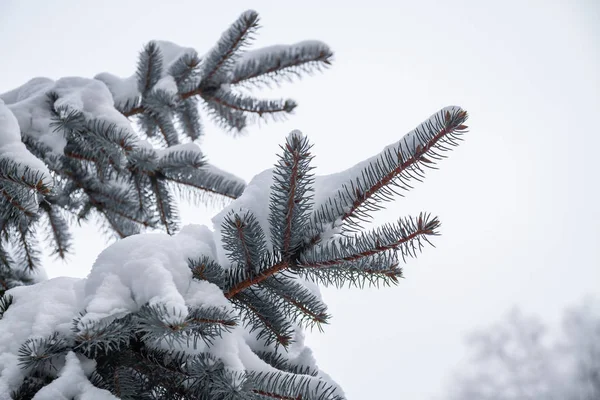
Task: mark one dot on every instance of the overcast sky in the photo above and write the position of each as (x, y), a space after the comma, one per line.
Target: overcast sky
(519, 200)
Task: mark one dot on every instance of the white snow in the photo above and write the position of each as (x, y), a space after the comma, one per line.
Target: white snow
(72, 383)
(39, 311)
(171, 52)
(125, 278)
(12, 148)
(92, 97)
(167, 84)
(122, 89)
(29, 104)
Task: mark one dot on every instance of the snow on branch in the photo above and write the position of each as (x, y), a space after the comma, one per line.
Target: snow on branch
(370, 183)
(79, 145)
(272, 64)
(170, 309)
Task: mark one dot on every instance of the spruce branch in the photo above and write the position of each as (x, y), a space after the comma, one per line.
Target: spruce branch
(165, 204)
(244, 241)
(228, 118)
(284, 386)
(101, 337)
(291, 195)
(41, 353)
(185, 69)
(261, 314)
(206, 269)
(149, 68)
(406, 236)
(222, 57)
(273, 64)
(391, 170)
(5, 301)
(380, 269)
(277, 360)
(157, 322)
(248, 282)
(58, 229)
(247, 104)
(20, 187)
(26, 245)
(298, 302)
(204, 181)
(189, 119)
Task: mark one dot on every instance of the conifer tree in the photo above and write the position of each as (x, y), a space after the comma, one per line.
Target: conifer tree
(208, 313)
(83, 158)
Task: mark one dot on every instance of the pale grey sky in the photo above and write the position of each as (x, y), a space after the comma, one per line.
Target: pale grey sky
(518, 200)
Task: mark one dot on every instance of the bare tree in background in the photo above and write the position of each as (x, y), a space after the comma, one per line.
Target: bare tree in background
(516, 359)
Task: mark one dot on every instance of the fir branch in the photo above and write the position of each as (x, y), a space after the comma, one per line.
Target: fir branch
(222, 57)
(185, 69)
(156, 323)
(150, 67)
(250, 105)
(165, 205)
(277, 360)
(40, 150)
(101, 337)
(19, 186)
(58, 231)
(228, 118)
(206, 269)
(5, 301)
(263, 315)
(381, 268)
(189, 119)
(291, 197)
(6, 260)
(39, 354)
(298, 302)
(166, 128)
(241, 285)
(26, 245)
(205, 181)
(244, 241)
(406, 237)
(394, 167)
(283, 62)
(284, 386)
(176, 160)
(120, 224)
(31, 384)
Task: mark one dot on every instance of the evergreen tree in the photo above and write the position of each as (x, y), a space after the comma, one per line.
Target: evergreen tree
(94, 162)
(204, 314)
(516, 359)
